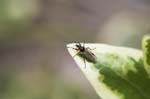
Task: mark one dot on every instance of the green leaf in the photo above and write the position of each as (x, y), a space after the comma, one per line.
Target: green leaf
(118, 73)
(146, 52)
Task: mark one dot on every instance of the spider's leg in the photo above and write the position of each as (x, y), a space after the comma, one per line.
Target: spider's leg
(88, 48)
(79, 44)
(76, 54)
(73, 48)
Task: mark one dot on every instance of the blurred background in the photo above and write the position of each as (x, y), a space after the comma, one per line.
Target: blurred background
(34, 62)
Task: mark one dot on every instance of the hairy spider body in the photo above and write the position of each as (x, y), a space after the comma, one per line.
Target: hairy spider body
(85, 53)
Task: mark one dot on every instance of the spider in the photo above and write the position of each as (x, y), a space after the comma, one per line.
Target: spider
(85, 53)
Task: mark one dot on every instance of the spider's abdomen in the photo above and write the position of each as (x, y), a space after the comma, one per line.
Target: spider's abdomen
(88, 56)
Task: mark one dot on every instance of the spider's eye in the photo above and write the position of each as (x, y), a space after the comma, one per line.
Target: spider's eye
(77, 46)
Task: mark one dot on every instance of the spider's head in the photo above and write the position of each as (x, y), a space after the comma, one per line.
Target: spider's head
(80, 47)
